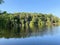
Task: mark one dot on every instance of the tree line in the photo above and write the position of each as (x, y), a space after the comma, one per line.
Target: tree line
(24, 19)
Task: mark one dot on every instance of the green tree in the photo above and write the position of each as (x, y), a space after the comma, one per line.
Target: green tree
(1, 1)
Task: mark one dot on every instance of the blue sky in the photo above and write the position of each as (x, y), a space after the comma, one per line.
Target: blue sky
(39, 6)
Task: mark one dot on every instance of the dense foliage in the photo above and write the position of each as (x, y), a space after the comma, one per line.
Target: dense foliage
(1, 1)
(27, 19)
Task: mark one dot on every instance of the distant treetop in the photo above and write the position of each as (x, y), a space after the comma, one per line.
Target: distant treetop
(1, 1)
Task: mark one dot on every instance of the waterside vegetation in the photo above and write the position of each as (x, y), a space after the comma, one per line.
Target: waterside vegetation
(22, 19)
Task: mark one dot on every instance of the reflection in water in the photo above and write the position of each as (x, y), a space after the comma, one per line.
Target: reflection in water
(22, 32)
(44, 35)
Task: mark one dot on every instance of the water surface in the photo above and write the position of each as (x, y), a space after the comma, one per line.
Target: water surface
(31, 36)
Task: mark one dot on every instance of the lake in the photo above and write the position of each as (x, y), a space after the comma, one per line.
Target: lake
(31, 36)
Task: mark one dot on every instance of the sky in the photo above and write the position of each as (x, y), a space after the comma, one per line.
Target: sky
(38, 6)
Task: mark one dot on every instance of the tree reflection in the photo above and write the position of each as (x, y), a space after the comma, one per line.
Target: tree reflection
(22, 32)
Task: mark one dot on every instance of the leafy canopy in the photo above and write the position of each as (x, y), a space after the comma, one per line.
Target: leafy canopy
(1, 1)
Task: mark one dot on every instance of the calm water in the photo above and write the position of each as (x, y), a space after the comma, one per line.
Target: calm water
(31, 36)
